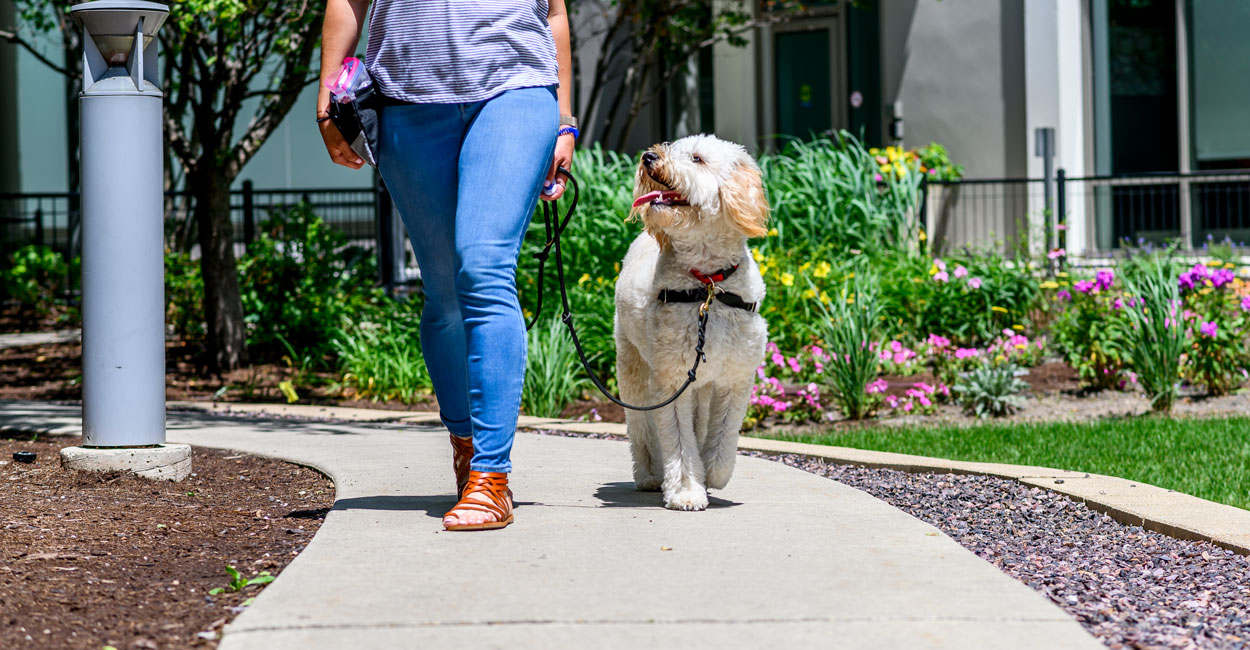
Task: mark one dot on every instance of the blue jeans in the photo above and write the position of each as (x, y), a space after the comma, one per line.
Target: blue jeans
(466, 178)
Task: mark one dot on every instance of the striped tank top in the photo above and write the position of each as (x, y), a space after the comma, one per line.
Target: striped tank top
(459, 51)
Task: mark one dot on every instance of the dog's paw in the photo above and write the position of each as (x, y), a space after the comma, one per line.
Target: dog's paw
(688, 499)
(718, 478)
(647, 483)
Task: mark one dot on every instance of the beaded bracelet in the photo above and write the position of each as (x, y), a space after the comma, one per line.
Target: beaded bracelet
(566, 130)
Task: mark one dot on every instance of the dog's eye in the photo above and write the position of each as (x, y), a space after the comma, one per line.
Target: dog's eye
(697, 158)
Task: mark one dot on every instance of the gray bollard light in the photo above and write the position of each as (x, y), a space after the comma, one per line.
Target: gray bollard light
(123, 302)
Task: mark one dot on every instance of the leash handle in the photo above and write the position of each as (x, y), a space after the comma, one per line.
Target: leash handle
(554, 229)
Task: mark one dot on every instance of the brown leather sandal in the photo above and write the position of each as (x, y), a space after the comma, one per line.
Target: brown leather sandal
(494, 485)
(461, 456)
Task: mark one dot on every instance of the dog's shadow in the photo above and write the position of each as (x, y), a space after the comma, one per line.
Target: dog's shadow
(622, 494)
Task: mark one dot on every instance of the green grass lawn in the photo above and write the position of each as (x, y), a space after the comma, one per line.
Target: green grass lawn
(1207, 458)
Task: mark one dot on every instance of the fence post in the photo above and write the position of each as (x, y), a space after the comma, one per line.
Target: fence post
(249, 214)
(1061, 213)
(39, 223)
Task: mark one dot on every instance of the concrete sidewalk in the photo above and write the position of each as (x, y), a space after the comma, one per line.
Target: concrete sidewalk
(781, 559)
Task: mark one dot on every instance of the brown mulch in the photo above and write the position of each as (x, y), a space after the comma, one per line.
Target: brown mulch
(54, 372)
(89, 560)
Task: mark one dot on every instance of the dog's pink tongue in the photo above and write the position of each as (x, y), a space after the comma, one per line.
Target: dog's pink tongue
(648, 197)
(658, 195)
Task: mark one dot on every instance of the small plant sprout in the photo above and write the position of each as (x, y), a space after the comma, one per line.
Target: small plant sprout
(239, 583)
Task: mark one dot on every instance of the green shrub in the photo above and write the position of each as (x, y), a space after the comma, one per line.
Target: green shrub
(553, 374)
(968, 298)
(37, 278)
(850, 334)
(991, 390)
(1215, 315)
(184, 297)
(1092, 329)
(1156, 334)
(382, 360)
(299, 280)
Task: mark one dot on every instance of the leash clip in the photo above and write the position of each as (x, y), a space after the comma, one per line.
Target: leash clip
(711, 296)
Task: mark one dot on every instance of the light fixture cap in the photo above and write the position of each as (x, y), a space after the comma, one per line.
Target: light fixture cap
(112, 24)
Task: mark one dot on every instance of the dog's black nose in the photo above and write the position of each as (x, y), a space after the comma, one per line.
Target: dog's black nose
(649, 158)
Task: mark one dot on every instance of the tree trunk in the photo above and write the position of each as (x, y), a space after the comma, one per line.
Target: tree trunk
(223, 306)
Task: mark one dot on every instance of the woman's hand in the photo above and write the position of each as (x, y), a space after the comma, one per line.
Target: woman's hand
(340, 152)
(562, 157)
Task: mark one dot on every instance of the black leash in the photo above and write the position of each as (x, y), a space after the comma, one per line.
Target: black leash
(555, 228)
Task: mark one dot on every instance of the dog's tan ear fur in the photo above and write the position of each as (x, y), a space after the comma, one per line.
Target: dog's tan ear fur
(743, 202)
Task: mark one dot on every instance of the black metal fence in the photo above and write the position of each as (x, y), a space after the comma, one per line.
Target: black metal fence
(1090, 215)
(52, 219)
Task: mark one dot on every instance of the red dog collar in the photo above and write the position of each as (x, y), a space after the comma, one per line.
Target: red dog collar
(716, 277)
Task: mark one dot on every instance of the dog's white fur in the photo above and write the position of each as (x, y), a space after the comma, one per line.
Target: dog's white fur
(690, 445)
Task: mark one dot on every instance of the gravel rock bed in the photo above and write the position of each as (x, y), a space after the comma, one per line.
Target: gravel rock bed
(1129, 587)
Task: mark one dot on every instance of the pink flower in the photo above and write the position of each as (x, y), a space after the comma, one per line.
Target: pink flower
(1209, 329)
(1104, 278)
(771, 348)
(1084, 286)
(1118, 304)
(974, 283)
(794, 364)
(878, 178)
(892, 401)
(780, 407)
(941, 276)
(900, 358)
(818, 352)
(779, 360)
(907, 407)
(941, 266)
(960, 271)
(938, 342)
(1064, 295)
(1245, 304)
(876, 387)
(759, 372)
(964, 353)
(1061, 227)
(1222, 277)
(924, 388)
(896, 346)
(1056, 254)
(925, 401)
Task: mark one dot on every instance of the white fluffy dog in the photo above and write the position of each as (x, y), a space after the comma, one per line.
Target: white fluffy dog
(700, 199)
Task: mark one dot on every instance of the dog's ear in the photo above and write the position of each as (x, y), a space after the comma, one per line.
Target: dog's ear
(743, 202)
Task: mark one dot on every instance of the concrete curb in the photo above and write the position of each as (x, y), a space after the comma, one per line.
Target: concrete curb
(1133, 503)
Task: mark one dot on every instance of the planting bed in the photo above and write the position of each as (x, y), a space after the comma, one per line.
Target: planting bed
(1129, 587)
(93, 560)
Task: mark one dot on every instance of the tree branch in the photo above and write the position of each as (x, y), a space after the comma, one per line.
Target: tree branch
(12, 37)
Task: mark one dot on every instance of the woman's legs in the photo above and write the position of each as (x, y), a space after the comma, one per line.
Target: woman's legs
(503, 161)
(419, 158)
(466, 179)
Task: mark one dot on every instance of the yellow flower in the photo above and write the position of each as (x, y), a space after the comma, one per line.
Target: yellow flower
(1018, 328)
(824, 297)
(1214, 263)
(922, 235)
(755, 253)
(288, 389)
(874, 151)
(617, 267)
(822, 269)
(804, 267)
(998, 309)
(787, 279)
(850, 300)
(1229, 265)
(584, 279)
(1205, 290)
(884, 169)
(1061, 274)
(809, 293)
(1021, 346)
(917, 280)
(999, 359)
(772, 232)
(1050, 284)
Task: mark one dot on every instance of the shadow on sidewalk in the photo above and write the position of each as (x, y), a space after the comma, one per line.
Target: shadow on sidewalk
(433, 506)
(622, 494)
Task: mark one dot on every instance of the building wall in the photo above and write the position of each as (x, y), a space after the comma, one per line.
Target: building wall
(958, 68)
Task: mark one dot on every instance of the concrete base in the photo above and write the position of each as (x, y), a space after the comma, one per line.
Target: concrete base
(170, 462)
